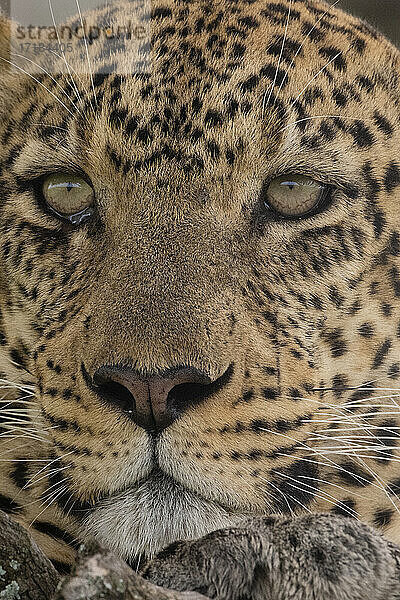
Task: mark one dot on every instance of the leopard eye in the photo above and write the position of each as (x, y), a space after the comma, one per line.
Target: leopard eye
(295, 195)
(70, 197)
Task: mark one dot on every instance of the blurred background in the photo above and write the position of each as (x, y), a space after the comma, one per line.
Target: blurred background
(383, 14)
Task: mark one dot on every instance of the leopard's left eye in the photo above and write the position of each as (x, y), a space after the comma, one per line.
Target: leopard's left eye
(70, 197)
(295, 195)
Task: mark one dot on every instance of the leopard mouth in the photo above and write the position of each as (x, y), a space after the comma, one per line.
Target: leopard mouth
(142, 520)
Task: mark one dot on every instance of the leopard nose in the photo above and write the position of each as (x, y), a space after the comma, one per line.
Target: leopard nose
(154, 402)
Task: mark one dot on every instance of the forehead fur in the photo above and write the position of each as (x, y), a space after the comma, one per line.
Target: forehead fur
(223, 82)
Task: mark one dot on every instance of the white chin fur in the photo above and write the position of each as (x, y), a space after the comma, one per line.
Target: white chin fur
(146, 519)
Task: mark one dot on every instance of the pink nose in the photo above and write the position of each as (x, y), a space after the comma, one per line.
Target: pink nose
(154, 402)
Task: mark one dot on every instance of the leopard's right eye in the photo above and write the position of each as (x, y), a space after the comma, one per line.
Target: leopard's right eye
(69, 197)
(294, 195)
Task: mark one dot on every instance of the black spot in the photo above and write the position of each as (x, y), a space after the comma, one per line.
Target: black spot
(161, 12)
(394, 370)
(394, 244)
(213, 149)
(361, 134)
(359, 45)
(285, 48)
(335, 340)
(394, 486)
(213, 118)
(250, 83)
(249, 22)
(279, 76)
(131, 125)
(345, 508)
(395, 280)
(238, 50)
(20, 474)
(318, 554)
(269, 370)
(8, 505)
(270, 393)
(339, 383)
(334, 55)
(392, 177)
(118, 116)
(17, 358)
(143, 135)
(99, 79)
(279, 13)
(366, 83)
(383, 517)
(339, 97)
(335, 297)
(383, 124)
(294, 485)
(354, 475)
(381, 353)
(197, 104)
(312, 32)
(146, 91)
(366, 330)
(230, 156)
(295, 394)
(54, 531)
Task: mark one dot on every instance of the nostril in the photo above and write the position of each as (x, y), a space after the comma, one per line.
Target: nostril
(115, 393)
(186, 394)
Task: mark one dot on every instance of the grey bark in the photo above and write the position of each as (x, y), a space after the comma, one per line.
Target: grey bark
(103, 575)
(25, 572)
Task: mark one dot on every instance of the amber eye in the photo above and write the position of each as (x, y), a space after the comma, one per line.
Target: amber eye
(295, 195)
(69, 196)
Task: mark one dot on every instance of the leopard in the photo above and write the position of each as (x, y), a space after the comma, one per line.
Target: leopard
(200, 296)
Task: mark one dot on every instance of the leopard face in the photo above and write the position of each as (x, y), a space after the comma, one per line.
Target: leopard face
(191, 350)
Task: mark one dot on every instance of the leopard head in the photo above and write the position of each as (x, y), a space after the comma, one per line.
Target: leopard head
(199, 269)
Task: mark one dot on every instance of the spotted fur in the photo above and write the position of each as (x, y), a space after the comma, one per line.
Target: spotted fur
(297, 321)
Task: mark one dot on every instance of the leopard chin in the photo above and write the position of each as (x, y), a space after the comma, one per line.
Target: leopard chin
(143, 520)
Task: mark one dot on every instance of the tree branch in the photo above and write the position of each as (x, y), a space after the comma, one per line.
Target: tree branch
(103, 575)
(26, 574)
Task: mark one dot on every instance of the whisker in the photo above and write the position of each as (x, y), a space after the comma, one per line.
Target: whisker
(47, 506)
(302, 45)
(320, 453)
(42, 85)
(48, 75)
(33, 478)
(315, 77)
(77, 94)
(312, 119)
(313, 491)
(340, 487)
(279, 61)
(51, 126)
(283, 495)
(87, 51)
(13, 384)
